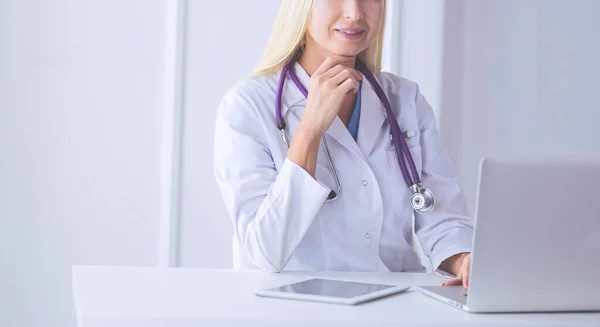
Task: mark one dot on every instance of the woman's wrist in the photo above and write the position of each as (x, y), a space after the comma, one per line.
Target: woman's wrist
(308, 131)
(305, 147)
(453, 264)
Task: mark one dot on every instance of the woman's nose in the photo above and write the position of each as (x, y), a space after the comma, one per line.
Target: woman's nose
(353, 9)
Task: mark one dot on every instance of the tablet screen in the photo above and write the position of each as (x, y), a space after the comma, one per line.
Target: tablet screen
(331, 288)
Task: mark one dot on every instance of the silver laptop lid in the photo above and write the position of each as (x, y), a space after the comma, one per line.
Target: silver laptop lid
(537, 239)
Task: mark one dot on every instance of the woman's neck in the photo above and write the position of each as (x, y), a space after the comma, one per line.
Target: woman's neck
(313, 56)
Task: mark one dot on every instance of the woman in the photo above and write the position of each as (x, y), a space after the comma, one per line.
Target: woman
(332, 195)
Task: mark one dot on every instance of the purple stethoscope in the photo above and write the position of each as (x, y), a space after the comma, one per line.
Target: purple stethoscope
(422, 199)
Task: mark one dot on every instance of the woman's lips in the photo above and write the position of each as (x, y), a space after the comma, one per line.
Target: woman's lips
(350, 33)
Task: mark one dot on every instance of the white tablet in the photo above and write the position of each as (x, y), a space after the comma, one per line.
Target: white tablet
(332, 291)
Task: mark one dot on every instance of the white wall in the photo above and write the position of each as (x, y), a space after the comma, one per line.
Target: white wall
(421, 26)
(80, 110)
(222, 48)
(526, 83)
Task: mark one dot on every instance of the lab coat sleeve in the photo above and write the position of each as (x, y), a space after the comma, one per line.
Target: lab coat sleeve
(271, 210)
(448, 229)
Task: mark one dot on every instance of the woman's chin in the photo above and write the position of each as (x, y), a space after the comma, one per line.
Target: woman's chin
(347, 51)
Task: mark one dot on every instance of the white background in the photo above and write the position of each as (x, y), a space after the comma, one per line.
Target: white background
(80, 110)
(82, 101)
(529, 82)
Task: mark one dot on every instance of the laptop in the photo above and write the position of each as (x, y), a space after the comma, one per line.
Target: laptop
(536, 245)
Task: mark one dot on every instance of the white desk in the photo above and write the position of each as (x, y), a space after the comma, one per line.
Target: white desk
(152, 297)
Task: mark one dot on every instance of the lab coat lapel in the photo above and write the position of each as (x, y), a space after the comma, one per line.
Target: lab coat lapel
(372, 117)
(340, 133)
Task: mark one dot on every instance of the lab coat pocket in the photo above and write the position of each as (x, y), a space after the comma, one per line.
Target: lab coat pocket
(412, 138)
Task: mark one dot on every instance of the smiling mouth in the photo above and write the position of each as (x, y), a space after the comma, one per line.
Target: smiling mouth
(351, 34)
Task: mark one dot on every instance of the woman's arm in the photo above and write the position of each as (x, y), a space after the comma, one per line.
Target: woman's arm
(447, 231)
(271, 210)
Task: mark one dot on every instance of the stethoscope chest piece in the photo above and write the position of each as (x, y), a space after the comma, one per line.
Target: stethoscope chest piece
(422, 200)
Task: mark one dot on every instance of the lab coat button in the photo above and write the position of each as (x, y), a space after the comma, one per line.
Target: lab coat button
(365, 183)
(367, 236)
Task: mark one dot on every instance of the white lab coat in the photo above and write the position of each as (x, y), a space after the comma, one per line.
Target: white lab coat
(280, 217)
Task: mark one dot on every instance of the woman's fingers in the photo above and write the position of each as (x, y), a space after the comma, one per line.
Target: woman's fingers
(338, 69)
(341, 77)
(327, 91)
(349, 85)
(453, 282)
(465, 270)
(329, 63)
(463, 276)
(334, 71)
(325, 66)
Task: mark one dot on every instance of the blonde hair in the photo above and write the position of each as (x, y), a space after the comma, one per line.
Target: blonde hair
(289, 34)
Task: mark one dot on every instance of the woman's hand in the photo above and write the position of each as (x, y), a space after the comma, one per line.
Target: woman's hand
(328, 88)
(329, 85)
(462, 273)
